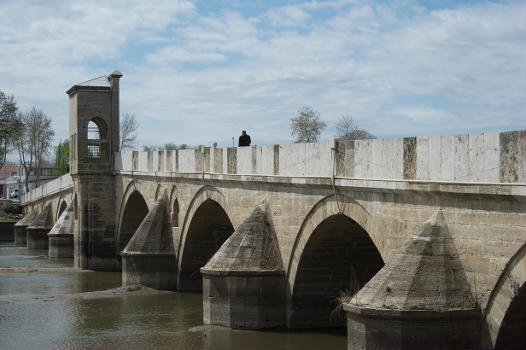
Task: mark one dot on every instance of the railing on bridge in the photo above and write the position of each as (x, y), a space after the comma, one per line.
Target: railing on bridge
(54, 186)
(473, 158)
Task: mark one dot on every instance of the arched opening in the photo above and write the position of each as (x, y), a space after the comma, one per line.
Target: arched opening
(93, 131)
(175, 213)
(61, 208)
(338, 259)
(134, 212)
(96, 135)
(209, 229)
(511, 333)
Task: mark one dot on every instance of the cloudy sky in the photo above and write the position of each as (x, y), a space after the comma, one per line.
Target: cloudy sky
(198, 72)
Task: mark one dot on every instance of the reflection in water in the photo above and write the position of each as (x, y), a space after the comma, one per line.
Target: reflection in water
(53, 318)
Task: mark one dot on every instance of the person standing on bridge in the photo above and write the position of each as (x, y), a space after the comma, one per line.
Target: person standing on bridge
(244, 139)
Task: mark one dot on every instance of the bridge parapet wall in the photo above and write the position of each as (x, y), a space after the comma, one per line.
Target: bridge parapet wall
(470, 158)
(62, 183)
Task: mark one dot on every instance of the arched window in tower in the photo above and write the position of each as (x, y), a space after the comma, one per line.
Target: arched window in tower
(93, 131)
(96, 138)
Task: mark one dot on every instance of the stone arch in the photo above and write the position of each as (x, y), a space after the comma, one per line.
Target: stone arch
(62, 205)
(505, 314)
(206, 227)
(132, 211)
(334, 253)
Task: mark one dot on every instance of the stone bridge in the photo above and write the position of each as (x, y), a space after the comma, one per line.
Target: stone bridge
(307, 222)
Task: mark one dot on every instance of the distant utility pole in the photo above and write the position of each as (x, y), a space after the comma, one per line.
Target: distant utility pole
(233, 142)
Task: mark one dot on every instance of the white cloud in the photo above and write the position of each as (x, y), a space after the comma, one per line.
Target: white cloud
(287, 16)
(396, 67)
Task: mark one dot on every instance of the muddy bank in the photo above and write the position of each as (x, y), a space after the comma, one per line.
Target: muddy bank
(136, 290)
(42, 269)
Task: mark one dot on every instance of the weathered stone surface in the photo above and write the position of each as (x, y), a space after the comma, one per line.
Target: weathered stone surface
(21, 225)
(92, 164)
(420, 297)
(512, 156)
(61, 235)
(39, 228)
(244, 282)
(410, 158)
(149, 257)
(231, 160)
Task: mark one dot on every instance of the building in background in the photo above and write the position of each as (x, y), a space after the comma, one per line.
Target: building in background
(12, 180)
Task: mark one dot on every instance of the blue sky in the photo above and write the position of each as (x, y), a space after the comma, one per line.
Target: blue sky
(198, 72)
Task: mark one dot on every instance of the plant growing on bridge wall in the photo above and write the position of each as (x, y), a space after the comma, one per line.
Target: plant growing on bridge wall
(307, 126)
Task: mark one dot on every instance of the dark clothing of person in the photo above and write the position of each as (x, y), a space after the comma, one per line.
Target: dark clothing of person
(244, 140)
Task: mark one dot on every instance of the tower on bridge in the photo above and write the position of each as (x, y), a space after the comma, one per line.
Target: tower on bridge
(94, 138)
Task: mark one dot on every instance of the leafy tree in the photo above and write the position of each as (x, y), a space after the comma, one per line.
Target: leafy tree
(9, 124)
(62, 157)
(307, 126)
(128, 132)
(33, 141)
(347, 128)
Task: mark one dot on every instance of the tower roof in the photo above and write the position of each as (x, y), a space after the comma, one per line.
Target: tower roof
(101, 82)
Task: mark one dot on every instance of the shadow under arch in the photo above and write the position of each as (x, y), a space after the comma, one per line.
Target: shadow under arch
(505, 314)
(333, 254)
(133, 211)
(206, 226)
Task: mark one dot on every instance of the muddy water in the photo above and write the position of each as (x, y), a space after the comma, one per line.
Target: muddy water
(45, 304)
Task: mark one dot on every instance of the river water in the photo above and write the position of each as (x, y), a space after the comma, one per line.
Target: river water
(45, 304)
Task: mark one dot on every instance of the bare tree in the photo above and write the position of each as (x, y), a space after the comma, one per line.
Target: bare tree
(307, 126)
(347, 128)
(9, 125)
(33, 142)
(128, 129)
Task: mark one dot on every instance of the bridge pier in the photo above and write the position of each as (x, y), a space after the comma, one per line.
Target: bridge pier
(61, 235)
(421, 298)
(244, 282)
(37, 232)
(149, 257)
(21, 226)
